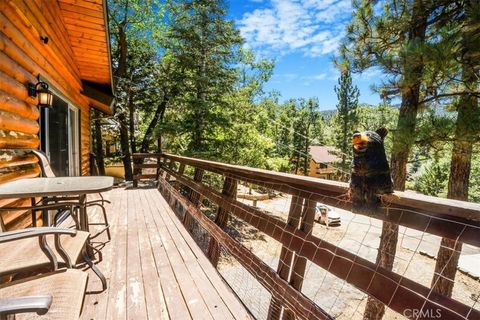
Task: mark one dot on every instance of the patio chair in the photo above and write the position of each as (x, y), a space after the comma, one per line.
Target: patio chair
(48, 173)
(30, 249)
(57, 295)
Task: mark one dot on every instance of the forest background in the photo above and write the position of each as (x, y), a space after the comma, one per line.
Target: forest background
(186, 84)
(183, 77)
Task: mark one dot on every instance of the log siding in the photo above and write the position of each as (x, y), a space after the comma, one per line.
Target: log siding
(23, 56)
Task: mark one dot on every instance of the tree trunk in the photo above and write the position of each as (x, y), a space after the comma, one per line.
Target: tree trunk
(305, 157)
(122, 47)
(131, 123)
(403, 140)
(157, 118)
(125, 146)
(120, 72)
(467, 129)
(199, 113)
(297, 163)
(99, 143)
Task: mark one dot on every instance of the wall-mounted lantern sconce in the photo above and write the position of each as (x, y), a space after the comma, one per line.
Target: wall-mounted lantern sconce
(40, 90)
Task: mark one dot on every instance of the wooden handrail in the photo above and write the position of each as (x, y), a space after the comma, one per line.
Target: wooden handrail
(432, 205)
(146, 155)
(447, 218)
(138, 165)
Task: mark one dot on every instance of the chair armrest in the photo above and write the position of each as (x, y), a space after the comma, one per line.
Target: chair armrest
(41, 233)
(34, 232)
(38, 304)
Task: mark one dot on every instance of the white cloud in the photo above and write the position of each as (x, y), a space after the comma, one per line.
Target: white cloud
(320, 76)
(312, 27)
(294, 77)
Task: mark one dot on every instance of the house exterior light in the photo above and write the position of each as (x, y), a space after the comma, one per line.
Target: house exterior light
(40, 90)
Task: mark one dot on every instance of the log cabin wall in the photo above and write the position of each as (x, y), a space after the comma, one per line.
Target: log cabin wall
(62, 63)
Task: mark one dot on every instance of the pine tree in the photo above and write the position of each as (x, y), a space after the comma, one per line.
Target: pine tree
(205, 44)
(467, 133)
(346, 117)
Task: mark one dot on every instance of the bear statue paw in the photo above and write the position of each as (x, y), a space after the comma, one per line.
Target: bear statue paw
(387, 199)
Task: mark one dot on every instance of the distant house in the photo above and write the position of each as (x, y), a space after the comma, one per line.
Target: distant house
(322, 162)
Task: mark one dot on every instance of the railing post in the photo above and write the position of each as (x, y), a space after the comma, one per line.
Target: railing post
(194, 198)
(181, 170)
(168, 163)
(229, 191)
(135, 171)
(300, 263)
(286, 256)
(163, 164)
(159, 157)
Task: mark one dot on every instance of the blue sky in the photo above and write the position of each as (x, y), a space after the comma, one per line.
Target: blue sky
(303, 36)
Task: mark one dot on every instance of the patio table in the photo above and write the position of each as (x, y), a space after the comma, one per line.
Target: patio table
(58, 187)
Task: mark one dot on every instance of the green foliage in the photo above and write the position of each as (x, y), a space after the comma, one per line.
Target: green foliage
(205, 46)
(474, 190)
(189, 56)
(346, 118)
(433, 179)
(374, 117)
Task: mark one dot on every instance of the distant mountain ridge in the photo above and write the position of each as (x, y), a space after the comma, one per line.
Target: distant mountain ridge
(328, 114)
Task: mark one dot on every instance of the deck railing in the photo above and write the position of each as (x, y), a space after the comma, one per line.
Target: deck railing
(139, 164)
(188, 186)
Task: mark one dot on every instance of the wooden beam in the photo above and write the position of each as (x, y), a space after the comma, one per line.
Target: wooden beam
(286, 256)
(13, 122)
(17, 106)
(18, 160)
(17, 140)
(146, 165)
(229, 191)
(193, 196)
(20, 174)
(433, 205)
(146, 155)
(463, 224)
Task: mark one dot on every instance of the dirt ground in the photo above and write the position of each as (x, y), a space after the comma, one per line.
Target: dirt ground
(357, 234)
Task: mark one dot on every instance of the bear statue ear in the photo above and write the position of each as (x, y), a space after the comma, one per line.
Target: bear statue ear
(382, 132)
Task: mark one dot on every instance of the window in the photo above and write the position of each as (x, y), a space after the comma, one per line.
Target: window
(60, 137)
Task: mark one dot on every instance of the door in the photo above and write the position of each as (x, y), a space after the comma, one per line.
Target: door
(74, 141)
(59, 135)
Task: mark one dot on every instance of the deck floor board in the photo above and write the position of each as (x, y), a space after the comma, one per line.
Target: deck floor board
(154, 268)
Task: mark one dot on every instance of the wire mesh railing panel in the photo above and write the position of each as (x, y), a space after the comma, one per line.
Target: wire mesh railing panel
(252, 294)
(297, 239)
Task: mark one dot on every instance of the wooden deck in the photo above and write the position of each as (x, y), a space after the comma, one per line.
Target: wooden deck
(154, 268)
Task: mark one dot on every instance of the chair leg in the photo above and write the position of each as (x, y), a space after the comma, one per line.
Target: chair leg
(105, 222)
(103, 199)
(107, 225)
(95, 269)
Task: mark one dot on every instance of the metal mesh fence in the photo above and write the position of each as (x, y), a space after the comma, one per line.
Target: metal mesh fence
(325, 267)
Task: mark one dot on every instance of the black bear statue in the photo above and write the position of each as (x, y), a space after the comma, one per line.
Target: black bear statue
(370, 171)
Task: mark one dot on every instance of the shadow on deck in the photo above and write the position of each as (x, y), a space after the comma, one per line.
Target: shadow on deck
(154, 268)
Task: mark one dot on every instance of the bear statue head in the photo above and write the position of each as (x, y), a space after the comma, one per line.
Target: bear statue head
(369, 141)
